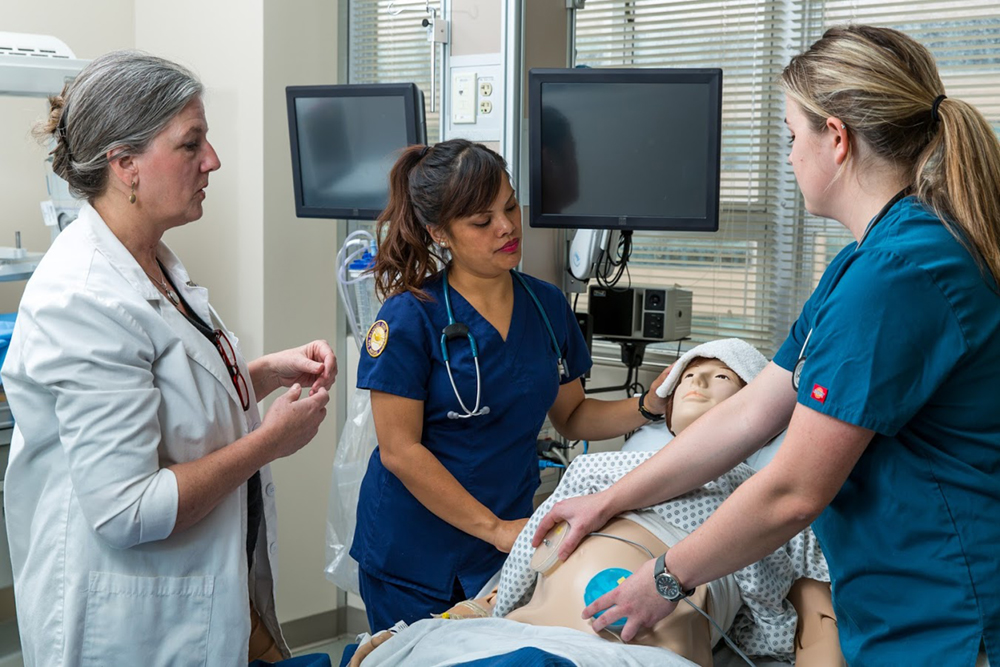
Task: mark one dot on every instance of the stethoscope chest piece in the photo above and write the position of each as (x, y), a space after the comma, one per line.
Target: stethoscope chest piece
(547, 554)
(800, 363)
(797, 372)
(456, 329)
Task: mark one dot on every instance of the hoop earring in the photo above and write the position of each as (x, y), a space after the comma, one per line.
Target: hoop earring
(131, 198)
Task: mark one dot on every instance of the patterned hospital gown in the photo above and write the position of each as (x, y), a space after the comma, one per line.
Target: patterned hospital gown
(764, 626)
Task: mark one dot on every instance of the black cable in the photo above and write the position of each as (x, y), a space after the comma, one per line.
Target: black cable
(619, 264)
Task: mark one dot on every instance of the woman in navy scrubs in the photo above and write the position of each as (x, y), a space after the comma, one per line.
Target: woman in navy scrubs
(463, 365)
(889, 377)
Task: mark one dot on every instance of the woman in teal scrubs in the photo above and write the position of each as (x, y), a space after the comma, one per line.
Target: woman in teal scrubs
(463, 365)
(888, 378)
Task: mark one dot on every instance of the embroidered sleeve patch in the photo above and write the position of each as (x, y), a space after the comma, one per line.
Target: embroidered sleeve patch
(819, 393)
(378, 336)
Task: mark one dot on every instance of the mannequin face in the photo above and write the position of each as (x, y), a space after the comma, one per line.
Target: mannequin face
(704, 384)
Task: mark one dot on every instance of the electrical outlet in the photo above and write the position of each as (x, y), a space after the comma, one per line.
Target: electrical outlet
(485, 107)
(485, 88)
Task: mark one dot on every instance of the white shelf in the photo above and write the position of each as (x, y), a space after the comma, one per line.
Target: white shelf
(30, 76)
(19, 269)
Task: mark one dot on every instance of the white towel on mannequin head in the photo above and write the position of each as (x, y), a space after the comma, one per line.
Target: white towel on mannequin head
(739, 355)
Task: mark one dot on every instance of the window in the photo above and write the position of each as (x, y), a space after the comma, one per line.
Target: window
(387, 44)
(751, 278)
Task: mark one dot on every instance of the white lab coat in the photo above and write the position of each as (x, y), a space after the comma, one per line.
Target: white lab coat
(109, 385)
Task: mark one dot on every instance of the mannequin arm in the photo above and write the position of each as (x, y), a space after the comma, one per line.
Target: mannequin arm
(817, 643)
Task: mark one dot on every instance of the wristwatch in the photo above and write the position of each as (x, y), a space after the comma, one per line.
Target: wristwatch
(667, 585)
(646, 414)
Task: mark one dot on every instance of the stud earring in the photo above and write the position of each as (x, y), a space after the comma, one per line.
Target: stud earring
(131, 198)
(843, 126)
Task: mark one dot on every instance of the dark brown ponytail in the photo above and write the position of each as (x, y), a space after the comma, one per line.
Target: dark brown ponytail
(430, 187)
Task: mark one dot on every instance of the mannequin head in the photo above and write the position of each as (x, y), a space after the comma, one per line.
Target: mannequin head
(703, 384)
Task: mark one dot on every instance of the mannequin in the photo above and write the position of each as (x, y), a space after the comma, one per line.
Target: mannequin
(558, 597)
(559, 594)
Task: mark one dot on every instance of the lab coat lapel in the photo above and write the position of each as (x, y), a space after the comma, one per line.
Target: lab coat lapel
(199, 349)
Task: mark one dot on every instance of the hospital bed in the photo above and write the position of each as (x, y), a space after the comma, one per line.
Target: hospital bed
(481, 637)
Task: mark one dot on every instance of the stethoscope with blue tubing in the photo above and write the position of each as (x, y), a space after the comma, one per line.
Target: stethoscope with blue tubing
(801, 361)
(458, 330)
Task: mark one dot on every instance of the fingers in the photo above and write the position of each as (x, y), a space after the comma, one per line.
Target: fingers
(321, 396)
(613, 612)
(572, 540)
(662, 378)
(547, 523)
(324, 366)
(631, 629)
(293, 393)
(606, 604)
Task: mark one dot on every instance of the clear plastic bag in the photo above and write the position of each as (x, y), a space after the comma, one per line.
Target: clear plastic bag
(357, 441)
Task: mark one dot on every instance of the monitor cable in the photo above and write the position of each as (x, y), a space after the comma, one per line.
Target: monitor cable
(711, 620)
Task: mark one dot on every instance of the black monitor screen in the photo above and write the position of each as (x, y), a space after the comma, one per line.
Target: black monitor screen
(626, 149)
(345, 140)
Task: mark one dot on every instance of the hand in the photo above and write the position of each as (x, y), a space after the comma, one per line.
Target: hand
(636, 598)
(313, 365)
(506, 533)
(291, 423)
(584, 514)
(652, 402)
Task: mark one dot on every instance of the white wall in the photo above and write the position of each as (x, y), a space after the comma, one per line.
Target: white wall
(89, 29)
(222, 42)
(270, 275)
(300, 296)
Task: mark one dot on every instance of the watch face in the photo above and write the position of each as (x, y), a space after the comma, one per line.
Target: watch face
(668, 587)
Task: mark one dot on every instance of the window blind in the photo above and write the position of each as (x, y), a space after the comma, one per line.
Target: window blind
(751, 278)
(964, 38)
(388, 44)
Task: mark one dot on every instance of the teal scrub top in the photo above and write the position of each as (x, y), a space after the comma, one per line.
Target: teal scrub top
(905, 341)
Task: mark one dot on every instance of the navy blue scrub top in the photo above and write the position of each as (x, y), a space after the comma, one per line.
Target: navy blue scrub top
(906, 342)
(492, 456)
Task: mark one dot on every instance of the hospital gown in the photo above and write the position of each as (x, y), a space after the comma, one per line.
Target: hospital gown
(764, 626)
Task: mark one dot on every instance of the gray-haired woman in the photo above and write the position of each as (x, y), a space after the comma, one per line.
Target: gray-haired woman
(136, 537)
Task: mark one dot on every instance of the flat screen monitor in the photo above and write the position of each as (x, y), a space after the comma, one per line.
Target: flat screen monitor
(627, 149)
(345, 139)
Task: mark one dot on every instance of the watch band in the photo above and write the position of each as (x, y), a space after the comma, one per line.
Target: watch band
(667, 585)
(646, 414)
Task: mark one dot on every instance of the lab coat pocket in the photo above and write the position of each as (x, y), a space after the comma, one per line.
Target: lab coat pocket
(147, 621)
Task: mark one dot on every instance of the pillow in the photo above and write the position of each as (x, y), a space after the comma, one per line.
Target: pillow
(652, 437)
(649, 438)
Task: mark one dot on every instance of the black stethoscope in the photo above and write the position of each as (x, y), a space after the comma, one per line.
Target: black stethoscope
(457, 330)
(797, 372)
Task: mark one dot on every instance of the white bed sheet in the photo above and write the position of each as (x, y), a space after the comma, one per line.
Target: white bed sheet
(440, 642)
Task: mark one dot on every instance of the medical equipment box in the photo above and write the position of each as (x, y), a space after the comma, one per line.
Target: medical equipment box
(640, 312)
